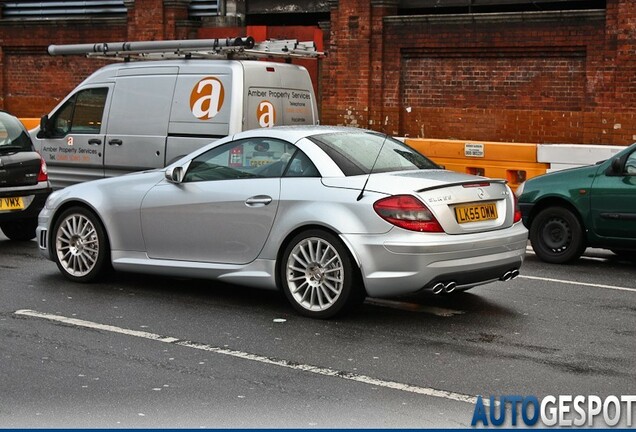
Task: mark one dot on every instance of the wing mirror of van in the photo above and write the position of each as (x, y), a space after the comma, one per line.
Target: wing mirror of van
(175, 174)
(45, 127)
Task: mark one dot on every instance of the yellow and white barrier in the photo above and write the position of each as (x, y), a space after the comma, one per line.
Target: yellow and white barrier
(511, 161)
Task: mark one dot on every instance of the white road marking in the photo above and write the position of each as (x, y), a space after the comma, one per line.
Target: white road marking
(569, 282)
(413, 307)
(426, 391)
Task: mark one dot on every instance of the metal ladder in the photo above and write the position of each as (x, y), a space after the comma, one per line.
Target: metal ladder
(229, 48)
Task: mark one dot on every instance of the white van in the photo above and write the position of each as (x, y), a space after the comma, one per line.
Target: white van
(139, 115)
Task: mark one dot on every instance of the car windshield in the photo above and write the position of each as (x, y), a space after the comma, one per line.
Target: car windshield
(13, 137)
(358, 153)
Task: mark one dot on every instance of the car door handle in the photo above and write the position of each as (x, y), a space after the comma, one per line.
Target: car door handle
(94, 141)
(115, 142)
(258, 201)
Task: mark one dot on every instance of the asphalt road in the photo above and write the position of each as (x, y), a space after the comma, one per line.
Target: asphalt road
(140, 351)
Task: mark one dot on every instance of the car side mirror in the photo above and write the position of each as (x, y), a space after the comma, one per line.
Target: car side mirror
(175, 174)
(615, 168)
(44, 131)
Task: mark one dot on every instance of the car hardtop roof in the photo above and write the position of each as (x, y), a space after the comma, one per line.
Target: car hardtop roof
(295, 133)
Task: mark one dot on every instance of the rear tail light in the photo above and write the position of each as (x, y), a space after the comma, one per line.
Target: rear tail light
(406, 211)
(517, 209)
(43, 175)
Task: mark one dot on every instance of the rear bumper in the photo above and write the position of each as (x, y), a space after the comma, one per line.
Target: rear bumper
(401, 262)
(34, 199)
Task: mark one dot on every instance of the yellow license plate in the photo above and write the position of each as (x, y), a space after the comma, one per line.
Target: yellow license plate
(15, 203)
(476, 212)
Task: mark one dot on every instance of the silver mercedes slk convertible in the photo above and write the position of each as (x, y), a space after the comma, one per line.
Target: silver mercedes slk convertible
(328, 215)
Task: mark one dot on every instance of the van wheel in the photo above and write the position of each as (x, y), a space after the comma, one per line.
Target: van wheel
(80, 245)
(556, 236)
(20, 230)
(318, 275)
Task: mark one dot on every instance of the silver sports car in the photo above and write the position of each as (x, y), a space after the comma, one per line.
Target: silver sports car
(328, 215)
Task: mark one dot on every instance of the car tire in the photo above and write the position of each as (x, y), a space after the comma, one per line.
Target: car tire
(20, 230)
(318, 275)
(557, 236)
(80, 246)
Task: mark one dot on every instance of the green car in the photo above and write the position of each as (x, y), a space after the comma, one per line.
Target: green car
(567, 211)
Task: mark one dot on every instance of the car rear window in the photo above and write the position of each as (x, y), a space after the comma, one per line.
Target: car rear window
(358, 153)
(13, 137)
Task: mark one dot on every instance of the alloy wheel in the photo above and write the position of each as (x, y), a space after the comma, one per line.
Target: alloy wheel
(77, 245)
(315, 274)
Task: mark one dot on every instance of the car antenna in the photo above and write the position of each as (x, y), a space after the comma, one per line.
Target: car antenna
(372, 167)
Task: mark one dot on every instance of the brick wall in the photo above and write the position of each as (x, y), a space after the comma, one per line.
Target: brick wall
(34, 82)
(524, 77)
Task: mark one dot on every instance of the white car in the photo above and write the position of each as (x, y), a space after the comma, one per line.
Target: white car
(328, 215)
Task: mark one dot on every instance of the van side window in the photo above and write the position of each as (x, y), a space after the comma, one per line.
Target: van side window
(81, 114)
(248, 158)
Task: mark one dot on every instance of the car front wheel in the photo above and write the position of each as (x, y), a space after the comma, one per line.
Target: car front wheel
(81, 248)
(318, 276)
(557, 236)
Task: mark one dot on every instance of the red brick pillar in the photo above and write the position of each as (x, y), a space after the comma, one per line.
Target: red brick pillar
(351, 87)
(145, 20)
(176, 24)
(347, 66)
(327, 85)
(378, 112)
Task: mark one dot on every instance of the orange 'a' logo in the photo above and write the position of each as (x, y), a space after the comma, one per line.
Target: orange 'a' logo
(266, 114)
(206, 98)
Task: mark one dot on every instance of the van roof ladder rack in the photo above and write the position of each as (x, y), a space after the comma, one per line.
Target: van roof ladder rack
(230, 48)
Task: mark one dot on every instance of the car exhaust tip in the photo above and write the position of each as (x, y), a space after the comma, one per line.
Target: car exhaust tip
(450, 287)
(511, 274)
(438, 288)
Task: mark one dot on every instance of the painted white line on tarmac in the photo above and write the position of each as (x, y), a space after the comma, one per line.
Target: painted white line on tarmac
(257, 358)
(569, 282)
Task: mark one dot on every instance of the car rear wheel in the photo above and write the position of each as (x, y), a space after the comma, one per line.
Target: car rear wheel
(20, 230)
(556, 236)
(318, 275)
(81, 248)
